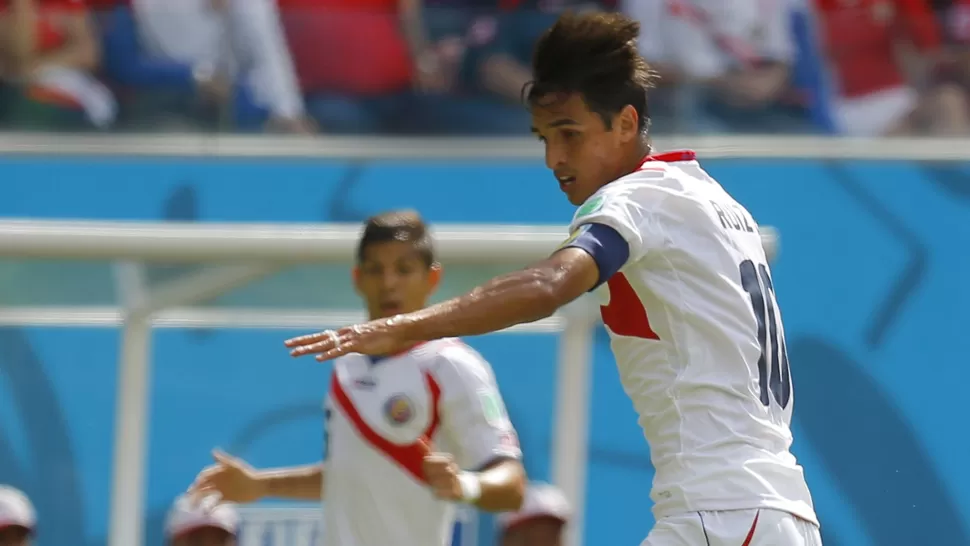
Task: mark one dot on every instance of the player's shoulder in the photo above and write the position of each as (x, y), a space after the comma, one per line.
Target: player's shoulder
(453, 351)
(662, 175)
(657, 179)
(350, 362)
(452, 357)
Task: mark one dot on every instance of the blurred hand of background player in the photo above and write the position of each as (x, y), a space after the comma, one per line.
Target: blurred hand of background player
(441, 472)
(377, 337)
(233, 479)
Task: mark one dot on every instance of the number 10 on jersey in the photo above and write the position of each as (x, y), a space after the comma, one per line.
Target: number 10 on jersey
(774, 382)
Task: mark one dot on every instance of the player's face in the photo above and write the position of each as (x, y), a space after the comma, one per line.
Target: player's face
(206, 536)
(14, 536)
(583, 154)
(536, 532)
(394, 278)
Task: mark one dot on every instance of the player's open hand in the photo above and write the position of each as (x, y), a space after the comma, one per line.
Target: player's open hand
(377, 337)
(441, 472)
(231, 478)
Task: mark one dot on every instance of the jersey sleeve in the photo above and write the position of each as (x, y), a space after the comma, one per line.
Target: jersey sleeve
(473, 414)
(627, 209)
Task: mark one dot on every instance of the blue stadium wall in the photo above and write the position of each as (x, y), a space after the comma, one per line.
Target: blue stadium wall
(872, 278)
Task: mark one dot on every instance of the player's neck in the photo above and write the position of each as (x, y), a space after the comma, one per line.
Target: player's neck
(634, 158)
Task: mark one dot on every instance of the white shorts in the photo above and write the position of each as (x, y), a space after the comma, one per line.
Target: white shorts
(875, 114)
(734, 528)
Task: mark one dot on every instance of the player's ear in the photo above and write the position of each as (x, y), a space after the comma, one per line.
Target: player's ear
(434, 276)
(355, 275)
(627, 123)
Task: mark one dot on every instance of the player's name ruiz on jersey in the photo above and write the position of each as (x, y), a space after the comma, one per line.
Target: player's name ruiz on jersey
(733, 217)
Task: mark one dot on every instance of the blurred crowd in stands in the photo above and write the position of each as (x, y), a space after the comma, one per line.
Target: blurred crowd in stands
(446, 67)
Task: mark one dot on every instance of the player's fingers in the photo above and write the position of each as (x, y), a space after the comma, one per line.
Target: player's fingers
(318, 347)
(335, 353)
(207, 480)
(199, 493)
(425, 446)
(224, 458)
(435, 466)
(207, 474)
(201, 488)
(208, 470)
(306, 340)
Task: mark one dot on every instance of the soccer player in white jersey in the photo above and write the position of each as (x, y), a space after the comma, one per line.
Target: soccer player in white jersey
(380, 481)
(686, 296)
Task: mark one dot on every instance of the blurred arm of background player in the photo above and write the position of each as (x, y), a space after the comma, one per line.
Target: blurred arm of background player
(236, 481)
(502, 482)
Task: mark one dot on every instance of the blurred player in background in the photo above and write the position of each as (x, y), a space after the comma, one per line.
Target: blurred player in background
(201, 522)
(17, 517)
(540, 522)
(689, 304)
(382, 482)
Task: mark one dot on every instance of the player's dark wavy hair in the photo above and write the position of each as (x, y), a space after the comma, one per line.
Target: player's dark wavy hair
(594, 55)
(398, 225)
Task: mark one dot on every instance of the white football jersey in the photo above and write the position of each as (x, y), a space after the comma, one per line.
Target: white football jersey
(698, 339)
(378, 412)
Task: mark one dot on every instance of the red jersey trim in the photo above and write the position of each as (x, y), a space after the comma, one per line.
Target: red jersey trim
(409, 457)
(754, 525)
(625, 314)
(670, 157)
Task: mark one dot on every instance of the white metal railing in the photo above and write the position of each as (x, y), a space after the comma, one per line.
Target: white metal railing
(354, 148)
(283, 244)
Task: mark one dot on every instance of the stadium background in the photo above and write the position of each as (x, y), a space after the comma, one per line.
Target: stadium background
(872, 279)
(872, 275)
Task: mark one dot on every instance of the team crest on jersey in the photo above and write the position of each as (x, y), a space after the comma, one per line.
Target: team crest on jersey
(398, 409)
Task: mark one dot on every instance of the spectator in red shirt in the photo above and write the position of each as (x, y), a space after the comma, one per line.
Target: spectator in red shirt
(352, 46)
(48, 54)
(875, 93)
(372, 66)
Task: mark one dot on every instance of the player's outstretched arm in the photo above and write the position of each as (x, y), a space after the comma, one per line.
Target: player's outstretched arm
(234, 480)
(523, 296)
(530, 294)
